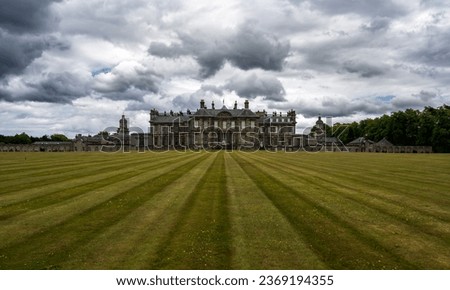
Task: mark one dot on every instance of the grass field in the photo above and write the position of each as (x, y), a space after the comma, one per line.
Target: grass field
(224, 211)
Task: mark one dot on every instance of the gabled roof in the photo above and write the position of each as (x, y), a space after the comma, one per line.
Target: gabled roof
(203, 112)
(360, 140)
(384, 142)
(247, 113)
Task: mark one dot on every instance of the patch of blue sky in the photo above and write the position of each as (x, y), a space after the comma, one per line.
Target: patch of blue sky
(104, 70)
(385, 99)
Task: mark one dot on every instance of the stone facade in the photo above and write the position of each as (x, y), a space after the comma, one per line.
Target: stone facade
(224, 128)
(38, 147)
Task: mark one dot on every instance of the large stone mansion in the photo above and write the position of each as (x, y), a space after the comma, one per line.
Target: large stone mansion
(223, 128)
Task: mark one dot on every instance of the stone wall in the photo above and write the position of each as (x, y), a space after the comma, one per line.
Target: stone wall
(36, 148)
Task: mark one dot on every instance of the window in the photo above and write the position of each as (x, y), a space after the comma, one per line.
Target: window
(196, 123)
(216, 124)
(242, 124)
(233, 124)
(224, 124)
(252, 124)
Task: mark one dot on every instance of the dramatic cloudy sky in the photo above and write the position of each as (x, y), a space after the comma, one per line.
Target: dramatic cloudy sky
(73, 66)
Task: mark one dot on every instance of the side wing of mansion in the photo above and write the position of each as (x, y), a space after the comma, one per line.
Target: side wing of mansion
(223, 128)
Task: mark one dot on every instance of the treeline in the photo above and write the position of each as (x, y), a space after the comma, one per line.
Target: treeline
(430, 127)
(26, 139)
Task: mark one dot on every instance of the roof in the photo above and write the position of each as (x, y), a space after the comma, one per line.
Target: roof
(360, 140)
(332, 140)
(384, 142)
(170, 118)
(233, 112)
(52, 143)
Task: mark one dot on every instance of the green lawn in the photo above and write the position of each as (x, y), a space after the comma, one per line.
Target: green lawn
(224, 210)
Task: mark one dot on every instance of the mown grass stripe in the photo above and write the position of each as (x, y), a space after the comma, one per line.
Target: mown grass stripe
(383, 201)
(79, 229)
(411, 240)
(38, 220)
(201, 238)
(75, 181)
(55, 173)
(37, 160)
(372, 169)
(340, 245)
(262, 237)
(426, 203)
(56, 196)
(134, 241)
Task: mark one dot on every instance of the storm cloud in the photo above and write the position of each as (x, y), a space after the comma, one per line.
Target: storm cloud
(24, 16)
(23, 33)
(17, 52)
(247, 48)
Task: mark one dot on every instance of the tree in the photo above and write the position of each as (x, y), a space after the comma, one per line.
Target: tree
(22, 138)
(59, 138)
(45, 138)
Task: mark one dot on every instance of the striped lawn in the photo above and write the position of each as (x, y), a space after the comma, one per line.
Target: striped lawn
(224, 210)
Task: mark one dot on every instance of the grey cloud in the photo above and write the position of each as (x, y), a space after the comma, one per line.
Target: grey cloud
(169, 51)
(363, 69)
(131, 94)
(121, 84)
(247, 86)
(246, 49)
(137, 106)
(434, 3)
(419, 100)
(434, 50)
(17, 52)
(377, 24)
(425, 95)
(26, 16)
(188, 101)
(5, 96)
(214, 89)
(253, 49)
(210, 63)
(55, 88)
(363, 7)
(252, 86)
(343, 107)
